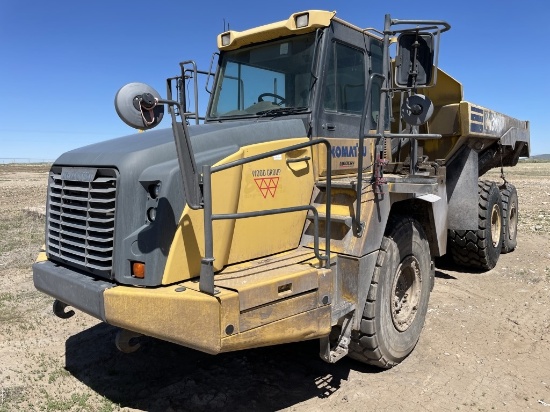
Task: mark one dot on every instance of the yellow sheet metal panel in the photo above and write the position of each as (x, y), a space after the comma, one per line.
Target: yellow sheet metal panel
(229, 301)
(230, 322)
(342, 238)
(276, 182)
(317, 19)
(187, 317)
(265, 314)
(478, 121)
(344, 156)
(308, 325)
(335, 209)
(448, 90)
(41, 255)
(185, 253)
(446, 122)
(183, 315)
(272, 285)
(267, 263)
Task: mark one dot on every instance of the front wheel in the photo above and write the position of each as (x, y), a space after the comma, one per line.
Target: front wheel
(398, 297)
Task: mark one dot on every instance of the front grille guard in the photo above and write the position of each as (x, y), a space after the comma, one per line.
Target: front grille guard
(81, 221)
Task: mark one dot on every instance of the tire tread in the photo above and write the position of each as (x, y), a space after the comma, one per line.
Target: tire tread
(470, 248)
(365, 345)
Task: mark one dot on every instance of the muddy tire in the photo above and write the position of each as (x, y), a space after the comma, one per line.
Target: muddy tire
(509, 198)
(398, 297)
(480, 249)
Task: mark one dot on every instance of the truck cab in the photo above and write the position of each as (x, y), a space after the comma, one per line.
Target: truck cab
(318, 75)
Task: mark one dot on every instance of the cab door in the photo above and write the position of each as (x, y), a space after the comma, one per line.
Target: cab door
(276, 182)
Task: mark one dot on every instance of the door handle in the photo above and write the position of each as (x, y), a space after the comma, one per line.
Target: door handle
(329, 126)
(298, 159)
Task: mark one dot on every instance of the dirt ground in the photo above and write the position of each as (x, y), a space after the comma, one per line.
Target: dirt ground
(485, 344)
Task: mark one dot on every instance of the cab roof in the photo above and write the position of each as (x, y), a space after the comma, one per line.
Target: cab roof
(298, 23)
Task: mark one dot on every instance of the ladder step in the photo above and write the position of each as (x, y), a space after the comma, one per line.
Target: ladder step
(346, 219)
(347, 183)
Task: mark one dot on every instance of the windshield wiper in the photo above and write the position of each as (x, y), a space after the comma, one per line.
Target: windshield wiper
(281, 111)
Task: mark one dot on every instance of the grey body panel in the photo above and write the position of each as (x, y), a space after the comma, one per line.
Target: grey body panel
(440, 214)
(211, 143)
(147, 158)
(71, 287)
(462, 177)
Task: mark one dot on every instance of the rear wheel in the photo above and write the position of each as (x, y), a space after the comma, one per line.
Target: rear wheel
(480, 249)
(398, 297)
(509, 197)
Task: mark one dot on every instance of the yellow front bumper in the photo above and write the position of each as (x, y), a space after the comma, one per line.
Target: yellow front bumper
(182, 314)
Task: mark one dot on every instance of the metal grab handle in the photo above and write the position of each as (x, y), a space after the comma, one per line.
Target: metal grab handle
(298, 159)
(419, 136)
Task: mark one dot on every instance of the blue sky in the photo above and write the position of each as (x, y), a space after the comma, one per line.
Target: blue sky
(62, 62)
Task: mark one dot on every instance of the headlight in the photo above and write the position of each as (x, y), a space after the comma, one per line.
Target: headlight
(152, 214)
(154, 190)
(226, 39)
(302, 20)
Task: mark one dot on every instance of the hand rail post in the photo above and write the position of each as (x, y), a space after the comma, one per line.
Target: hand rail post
(206, 282)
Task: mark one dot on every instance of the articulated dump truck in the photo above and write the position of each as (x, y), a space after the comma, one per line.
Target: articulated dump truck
(332, 166)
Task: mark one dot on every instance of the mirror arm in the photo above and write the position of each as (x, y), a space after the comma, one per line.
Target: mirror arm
(430, 25)
(186, 157)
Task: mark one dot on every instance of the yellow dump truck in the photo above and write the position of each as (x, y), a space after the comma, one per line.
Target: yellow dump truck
(308, 203)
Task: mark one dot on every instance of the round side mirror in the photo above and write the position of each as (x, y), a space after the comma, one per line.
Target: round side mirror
(417, 109)
(134, 104)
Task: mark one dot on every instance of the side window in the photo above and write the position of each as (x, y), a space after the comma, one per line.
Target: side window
(345, 82)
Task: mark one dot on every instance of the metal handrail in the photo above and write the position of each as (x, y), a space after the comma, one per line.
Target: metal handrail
(358, 225)
(206, 280)
(187, 74)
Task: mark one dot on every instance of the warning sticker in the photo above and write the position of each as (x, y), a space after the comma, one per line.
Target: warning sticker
(267, 185)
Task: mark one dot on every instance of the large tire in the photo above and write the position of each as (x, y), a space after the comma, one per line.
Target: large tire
(398, 297)
(480, 249)
(509, 197)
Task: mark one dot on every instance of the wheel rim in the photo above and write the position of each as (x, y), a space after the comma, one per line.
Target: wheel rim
(406, 290)
(496, 225)
(513, 222)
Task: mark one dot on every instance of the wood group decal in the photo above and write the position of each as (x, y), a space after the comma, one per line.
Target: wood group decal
(267, 181)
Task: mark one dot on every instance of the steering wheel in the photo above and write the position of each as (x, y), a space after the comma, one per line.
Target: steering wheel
(281, 98)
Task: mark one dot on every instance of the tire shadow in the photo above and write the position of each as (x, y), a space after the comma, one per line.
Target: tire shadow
(162, 375)
(442, 275)
(446, 263)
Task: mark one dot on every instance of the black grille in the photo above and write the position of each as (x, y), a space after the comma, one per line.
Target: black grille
(81, 218)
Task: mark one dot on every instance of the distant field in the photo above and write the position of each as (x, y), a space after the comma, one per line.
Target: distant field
(538, 158)
(11, 160)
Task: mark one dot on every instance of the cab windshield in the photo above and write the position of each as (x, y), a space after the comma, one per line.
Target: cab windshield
(265, 78)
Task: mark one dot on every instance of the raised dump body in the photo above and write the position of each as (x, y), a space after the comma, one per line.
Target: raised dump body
(486, 131)
(461, 123)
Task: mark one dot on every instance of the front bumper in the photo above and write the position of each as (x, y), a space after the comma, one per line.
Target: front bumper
(184, 315)
(73, 288)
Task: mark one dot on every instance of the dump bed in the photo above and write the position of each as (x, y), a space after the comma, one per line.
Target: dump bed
(479, 127)
(463, 123)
